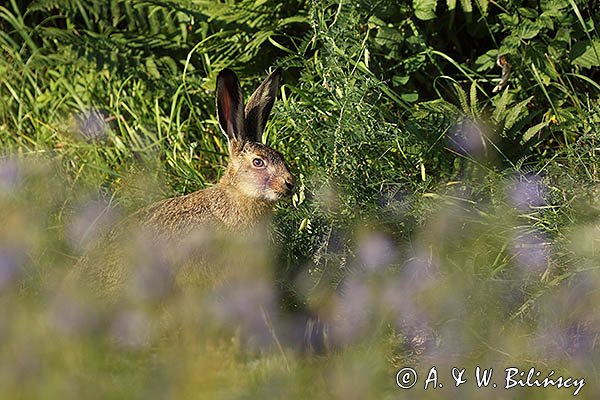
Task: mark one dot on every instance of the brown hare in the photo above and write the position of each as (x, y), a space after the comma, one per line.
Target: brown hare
(255, 179)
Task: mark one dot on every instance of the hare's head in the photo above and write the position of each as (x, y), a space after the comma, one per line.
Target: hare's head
(255, 169)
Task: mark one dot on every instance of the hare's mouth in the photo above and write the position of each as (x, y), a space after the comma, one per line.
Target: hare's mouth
(282, 194)
(286, 195)
(288, 191)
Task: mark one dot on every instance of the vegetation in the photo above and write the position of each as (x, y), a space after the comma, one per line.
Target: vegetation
(438, 220)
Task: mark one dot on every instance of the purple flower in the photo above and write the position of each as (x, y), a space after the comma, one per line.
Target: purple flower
(407, 316)
(91, 124)
(72, 315)
(353, 311)
(132, 329)
(466, 138)
(576, 339)
(527, 191)
(419, 273)
(532, 250)
(376, 251)
(11, 266)
(400, 297)
(406, 313)
(248, 305)
(90, 222)
(152, 278)
(569, 327)
(10, 175)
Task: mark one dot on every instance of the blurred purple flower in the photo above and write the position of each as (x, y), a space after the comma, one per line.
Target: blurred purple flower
(532, 250)
(27, 365)
(92, 125)
(401, 303)
(90, 222)
(450, 342)
(71, 315)
(527, 191)
(400, 295)
(153, 273)
(569, 326)
(419, 273)
(248, 305)
(353, 311)
(10, 175)
(376, 251)
(131, 329)
(466, 138)
(407, 316)
(307, 331)
(11, 266)
(576, 340)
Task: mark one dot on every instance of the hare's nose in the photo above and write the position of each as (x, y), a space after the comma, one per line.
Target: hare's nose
(290, 184)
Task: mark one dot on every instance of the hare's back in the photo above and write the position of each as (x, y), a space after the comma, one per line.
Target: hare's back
(173, 218)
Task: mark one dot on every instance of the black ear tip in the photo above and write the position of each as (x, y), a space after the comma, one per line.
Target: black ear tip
(227, 75)
(278, 72)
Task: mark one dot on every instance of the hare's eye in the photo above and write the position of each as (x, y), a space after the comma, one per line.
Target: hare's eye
(258, 163)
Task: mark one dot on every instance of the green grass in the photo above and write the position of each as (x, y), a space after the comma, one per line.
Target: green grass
(436, 223)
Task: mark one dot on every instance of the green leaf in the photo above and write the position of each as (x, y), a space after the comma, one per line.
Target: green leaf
(410, 97)
(424, 9)
(483, 5)
(563, 35)
(473, 98)
(586, 54)
(515, 113)
(528, 13)
(451, 4)
(151, 68)
(531, 132)
(398, 80)
(553, 5)
(467, 6)
(528, 29)
(509, 20)
(487, 61)
(296, 19)
(462, 98)
(501, 106)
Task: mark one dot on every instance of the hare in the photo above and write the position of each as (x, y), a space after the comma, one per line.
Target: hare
(255, 179)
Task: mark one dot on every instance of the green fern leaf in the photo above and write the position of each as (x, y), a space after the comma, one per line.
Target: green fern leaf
(424, 9)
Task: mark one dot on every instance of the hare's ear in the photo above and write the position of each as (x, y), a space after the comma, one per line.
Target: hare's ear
(230, 106)
(260, 104)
